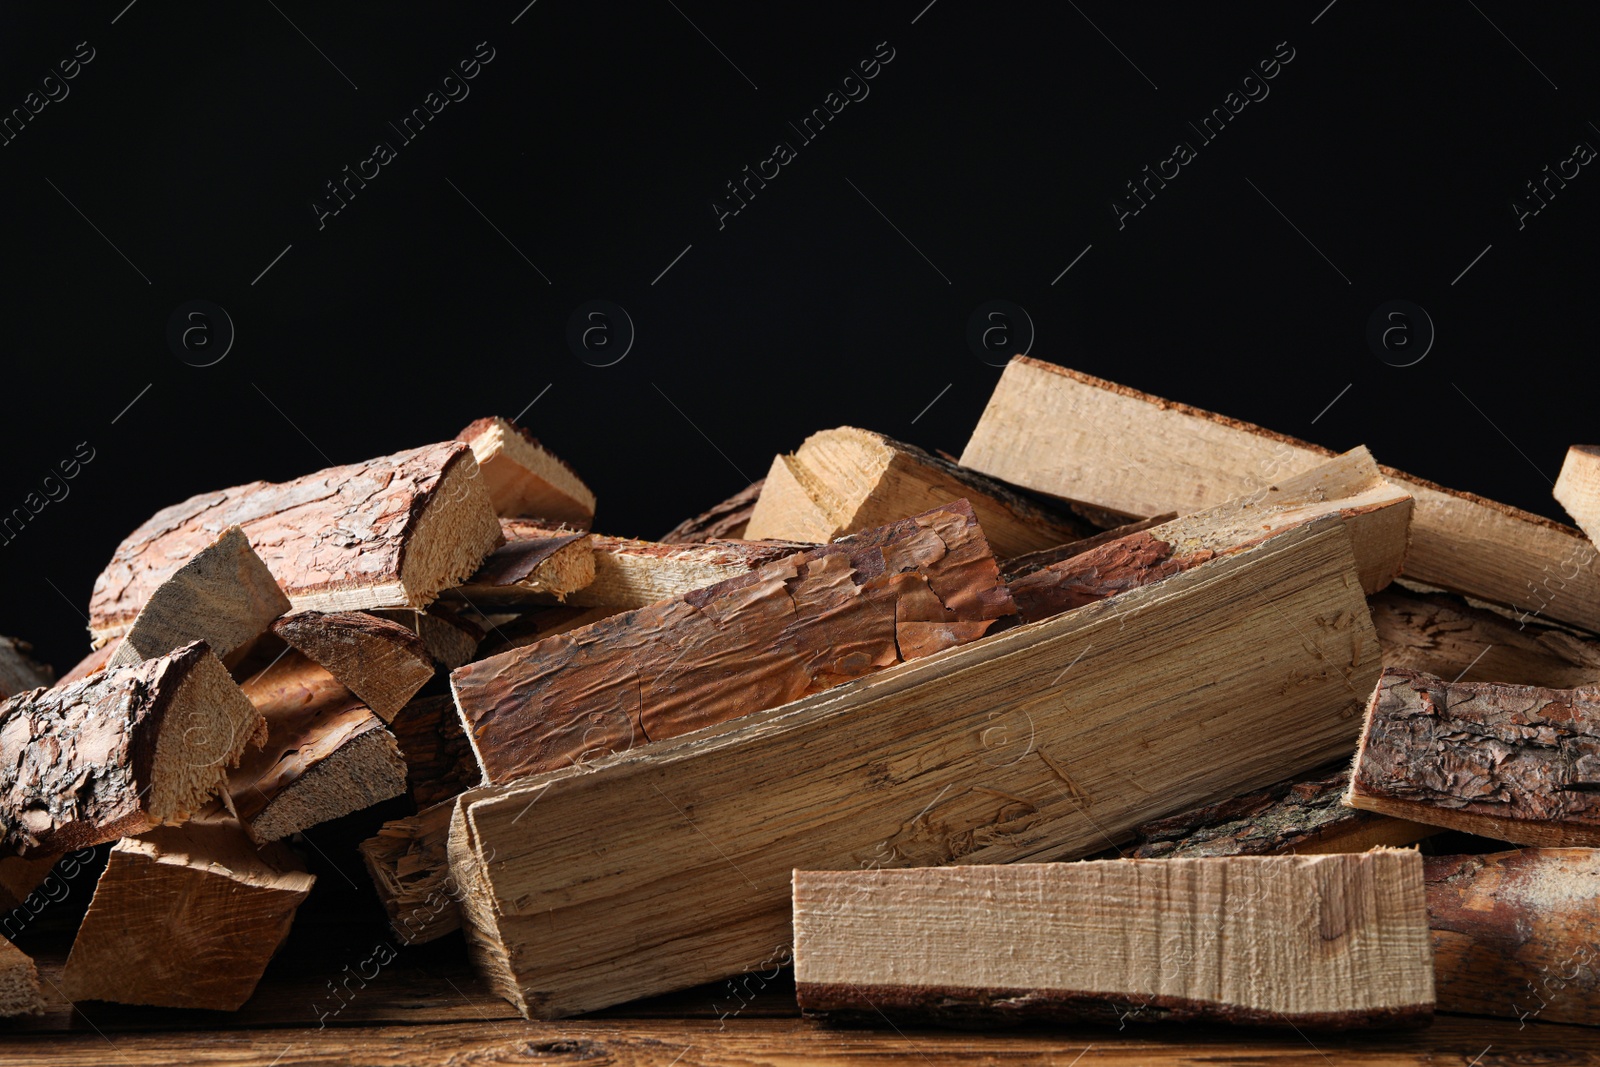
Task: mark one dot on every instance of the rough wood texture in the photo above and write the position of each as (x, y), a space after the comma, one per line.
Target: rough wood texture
(450, 639)
(1512, 762)
(537, 564)
(19, 983)
(725, 521)
(1578, 487)
(224, 595)
(1031, 562)
(1323, 942)
(380, 661)
(326, 753)
(525, 478)
(669, 865)
(796, 626)
(410, 870)
(439, 761)
(1517, 934)
(19, 671)
(391, 532)
(1060, 432)
(1347, 489)
(847, 480)
(122, 751)
(1437, 633)
(185, 917)
(1303, 816)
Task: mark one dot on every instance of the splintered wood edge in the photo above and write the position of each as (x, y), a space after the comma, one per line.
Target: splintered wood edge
(1577, 487)
(456, 530)
(205, 728)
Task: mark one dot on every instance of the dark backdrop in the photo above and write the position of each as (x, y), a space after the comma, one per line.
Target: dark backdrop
(583, 160)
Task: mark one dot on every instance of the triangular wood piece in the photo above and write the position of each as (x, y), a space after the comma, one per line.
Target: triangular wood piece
(525, 478)
(1578, 487)
(380, 661)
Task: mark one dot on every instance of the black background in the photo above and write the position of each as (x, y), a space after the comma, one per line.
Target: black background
(593, 145)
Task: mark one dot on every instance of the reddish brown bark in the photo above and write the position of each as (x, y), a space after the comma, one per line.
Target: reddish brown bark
(439, 760)
(379, 661)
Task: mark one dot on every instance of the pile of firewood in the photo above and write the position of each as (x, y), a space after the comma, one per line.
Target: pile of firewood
(1060, 730)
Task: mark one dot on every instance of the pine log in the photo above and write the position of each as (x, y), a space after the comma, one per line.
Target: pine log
(439, 761)
(379, 661)
(669, 865)
(1031, 562)
(1517, 934)
(19, 983)
(792, 627)
(185, 917)
(524, 478)
(722, 522)
(223, 595)
(127, 749)
(1577, 487)
(19, 671)
(326, 753)
(1516, 763)
(449, 638)
(537, 564)
(847, 480)
(1081, 438)
(409, 867)
(1437, 633)
(1311, 942)
(391, 532)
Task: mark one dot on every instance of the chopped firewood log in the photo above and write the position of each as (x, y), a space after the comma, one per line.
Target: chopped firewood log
(389, 533)
(1324, 942)
(1437, 633)
(1302, 815)
(439, 761)
(1348, 489)
(379, 661)
(1029, 562)
(668, 866)
(723, 522)
(326, 753)
(185, 917)
(847, 480)
(223, 595)
(525, 478)
(19, 983)
(19, 877)
(449, 638)
(407, 861)
(1517, 934)
(1070, 435)
(19, 671)
(1578, 487)
(124, 750)
(537, 564)
(795, 626)
(1516, 763)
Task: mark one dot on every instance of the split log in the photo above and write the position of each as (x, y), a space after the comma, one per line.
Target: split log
(224, 595)
(439, 761)
(1323, 942)
(1578, 487)
(19, 983)
(1299, 816)
(1516, 763)
(1030, 562)
(723, 522)
(525, 478)
(326, 753)
(1064, 433)
(127, 749)
(1517, 934)
(847, 480)
(379, 661)
(537, 564)
(449, 638)
(408, 864)
(388, 533)
(185, 917)
(668, 866)
(1440, 634)
(796, 626)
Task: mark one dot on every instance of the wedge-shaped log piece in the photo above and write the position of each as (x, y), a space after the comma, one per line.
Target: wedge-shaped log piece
(1444, 635)
(407, 861)
(1518, 763)
(524, 477)
(669, 865)
(326, 753)
(19, 671)
(1304, 941)
(1084, 439)
(1517, 934)
(439, 761)
(388, 533)
(185, 917)
(847, 480)
(1578, 487)
(380, 661)
(19, 983)
(795, 626)
(124, 750)
(224, 595)
(537, 564)
(727, 520)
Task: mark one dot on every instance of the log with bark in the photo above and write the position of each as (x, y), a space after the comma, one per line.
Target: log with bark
(524, 478)
(1081, 438)
(1310, 942)
(124, 750)
(388, 533)
(537, 564)
(185, 917)
(668, 866)
(725, 521)
(1577, 487)
(1516, 763)
(795, 626)
(380, 661)
(19, 983)
(409, 867)
(19, 671)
